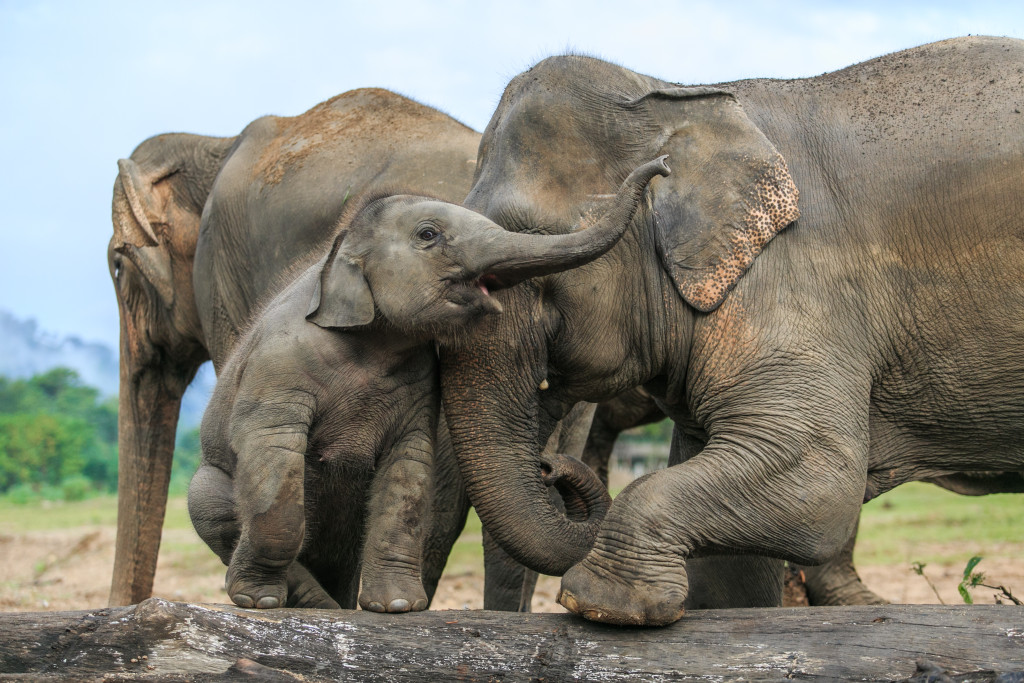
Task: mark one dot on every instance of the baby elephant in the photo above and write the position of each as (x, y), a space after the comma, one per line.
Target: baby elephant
(326, 471)
(318, 468)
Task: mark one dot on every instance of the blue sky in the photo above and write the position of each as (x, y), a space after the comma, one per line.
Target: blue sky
(83, 83)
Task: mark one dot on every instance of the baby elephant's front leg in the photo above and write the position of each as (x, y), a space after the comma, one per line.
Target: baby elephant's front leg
(397, 514)
(270, 498)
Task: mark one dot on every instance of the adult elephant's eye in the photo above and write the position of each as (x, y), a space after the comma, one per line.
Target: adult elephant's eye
(427, 234)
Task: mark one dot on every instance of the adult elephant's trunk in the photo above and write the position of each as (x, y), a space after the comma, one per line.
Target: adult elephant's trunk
(493, 420)
(507, 479)
(148, 406)
(491, 390)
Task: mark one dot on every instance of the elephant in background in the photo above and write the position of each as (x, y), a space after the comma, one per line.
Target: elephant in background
(205, 228)
(810, 358)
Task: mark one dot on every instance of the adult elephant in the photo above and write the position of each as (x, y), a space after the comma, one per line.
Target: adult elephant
(872, 342)
(204, 229)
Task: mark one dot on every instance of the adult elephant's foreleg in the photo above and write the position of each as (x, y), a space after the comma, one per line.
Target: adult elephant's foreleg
(726, 581)
(791, 492)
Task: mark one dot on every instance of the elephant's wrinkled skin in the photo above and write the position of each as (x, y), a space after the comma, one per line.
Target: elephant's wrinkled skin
(312, 436)
(320, 477)
(835, 582)
(874, 341)
(205, 227)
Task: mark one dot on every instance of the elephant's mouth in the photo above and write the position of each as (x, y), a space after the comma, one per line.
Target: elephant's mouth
(488, 283)
(474, 292)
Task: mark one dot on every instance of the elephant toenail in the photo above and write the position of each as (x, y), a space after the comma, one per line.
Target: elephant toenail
(419, 605)
(242, 600)
(568, 601)
(268, 602)
(398, 605)
(375, 607)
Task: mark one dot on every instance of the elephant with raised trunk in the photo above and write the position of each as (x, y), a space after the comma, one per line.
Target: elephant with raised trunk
(205, 229)
(811, 358)
(321, 474)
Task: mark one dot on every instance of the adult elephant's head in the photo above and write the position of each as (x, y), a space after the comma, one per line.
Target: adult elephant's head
(599, 314)
(158, 199)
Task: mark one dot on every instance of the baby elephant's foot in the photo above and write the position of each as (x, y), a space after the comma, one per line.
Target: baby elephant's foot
(626, 600)
(305, 591)
(384, 593)
(256, 589)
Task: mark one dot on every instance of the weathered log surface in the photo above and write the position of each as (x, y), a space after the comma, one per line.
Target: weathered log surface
(160, 640)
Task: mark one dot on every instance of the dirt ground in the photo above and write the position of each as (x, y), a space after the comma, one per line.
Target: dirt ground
(70, 570)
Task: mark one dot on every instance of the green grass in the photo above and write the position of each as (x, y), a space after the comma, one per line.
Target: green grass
(44, 515)
(467, 556)
(915, 522)
(924, 523)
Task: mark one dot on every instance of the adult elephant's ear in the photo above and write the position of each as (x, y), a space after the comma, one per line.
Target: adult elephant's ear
(730, 191)
(137, 205)
(341, 298)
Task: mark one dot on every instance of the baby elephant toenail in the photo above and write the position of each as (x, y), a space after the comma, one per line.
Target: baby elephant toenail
(375, 607)
(419, 605)
(242, 600)
(398, 605)
(268, 602)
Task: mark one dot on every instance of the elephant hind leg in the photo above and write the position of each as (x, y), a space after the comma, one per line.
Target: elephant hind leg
(211, 505)
(508, 585)
(836, 582)
(305, 591)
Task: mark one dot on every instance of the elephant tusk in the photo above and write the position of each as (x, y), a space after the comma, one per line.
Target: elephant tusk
(544, 384)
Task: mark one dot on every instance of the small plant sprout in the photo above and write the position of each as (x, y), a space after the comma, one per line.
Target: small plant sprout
(973, 579)
(918, 568)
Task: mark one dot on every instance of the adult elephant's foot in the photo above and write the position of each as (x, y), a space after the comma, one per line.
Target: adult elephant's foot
(384, 592)
(831, 585)
(636, 597)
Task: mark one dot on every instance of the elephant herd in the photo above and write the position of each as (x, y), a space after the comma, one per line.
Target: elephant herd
(818, 280)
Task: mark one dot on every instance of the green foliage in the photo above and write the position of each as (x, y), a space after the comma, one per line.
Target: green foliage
(186, 459)
(76, 488)
(918, 568)
(40, 449)
(970, 580)
(54, 429)
(660, 432)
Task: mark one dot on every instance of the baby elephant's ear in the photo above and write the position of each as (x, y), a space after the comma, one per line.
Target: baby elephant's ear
(341, 298)
(729, 194)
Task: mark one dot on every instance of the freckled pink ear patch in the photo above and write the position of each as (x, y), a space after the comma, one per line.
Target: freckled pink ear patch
(770, 206)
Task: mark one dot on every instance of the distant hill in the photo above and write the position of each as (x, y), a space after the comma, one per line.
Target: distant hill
(25, 350)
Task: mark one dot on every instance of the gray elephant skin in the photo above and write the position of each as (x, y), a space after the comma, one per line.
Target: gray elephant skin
(321, 473)
(205, 230)
(811, 358)
(835, 582)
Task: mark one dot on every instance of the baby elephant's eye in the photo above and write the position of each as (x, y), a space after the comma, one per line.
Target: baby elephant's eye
(427, 234)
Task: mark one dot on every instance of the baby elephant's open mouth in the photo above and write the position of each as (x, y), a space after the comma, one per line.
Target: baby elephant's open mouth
(488, 283)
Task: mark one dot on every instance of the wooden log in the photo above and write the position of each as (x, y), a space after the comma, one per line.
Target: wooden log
(161, 640)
